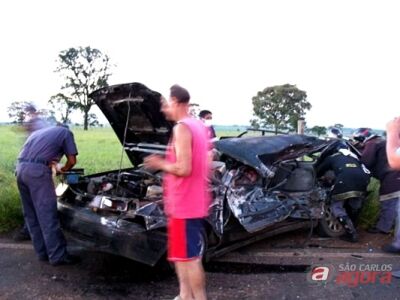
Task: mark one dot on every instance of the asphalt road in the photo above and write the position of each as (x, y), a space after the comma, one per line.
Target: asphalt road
(273, 269)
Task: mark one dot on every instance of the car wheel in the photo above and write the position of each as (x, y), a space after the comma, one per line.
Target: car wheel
(329, 226)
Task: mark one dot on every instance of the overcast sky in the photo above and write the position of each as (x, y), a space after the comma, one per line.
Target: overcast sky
(344, 54)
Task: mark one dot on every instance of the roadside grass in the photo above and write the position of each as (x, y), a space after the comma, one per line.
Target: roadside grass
(11, 140)
(99, 150)
(370, 209)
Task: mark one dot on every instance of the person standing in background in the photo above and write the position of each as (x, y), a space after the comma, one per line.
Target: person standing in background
(393, 155)
(374, 158)
(206, 117)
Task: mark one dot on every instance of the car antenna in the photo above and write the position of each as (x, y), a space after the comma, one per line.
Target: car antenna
(123, 143)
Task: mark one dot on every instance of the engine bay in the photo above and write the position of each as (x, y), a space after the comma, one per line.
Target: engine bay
(254, 200)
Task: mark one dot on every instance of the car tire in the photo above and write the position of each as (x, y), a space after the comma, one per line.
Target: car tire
(328, 225)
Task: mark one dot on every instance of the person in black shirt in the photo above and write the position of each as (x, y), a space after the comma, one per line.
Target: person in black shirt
(375, 158)
(350, 182)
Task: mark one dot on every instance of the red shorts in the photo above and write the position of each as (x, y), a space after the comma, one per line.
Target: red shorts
(185, 239)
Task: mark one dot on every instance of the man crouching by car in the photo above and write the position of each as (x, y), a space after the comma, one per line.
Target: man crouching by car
(185, 193)
(351, 179)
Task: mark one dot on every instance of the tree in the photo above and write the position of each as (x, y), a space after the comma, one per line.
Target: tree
(16, 111)
(280, 106)
(338, 125)
(93, 121)
(64, 105)
(85, 70)
(255, 123)
(47, 115)
(318, 130)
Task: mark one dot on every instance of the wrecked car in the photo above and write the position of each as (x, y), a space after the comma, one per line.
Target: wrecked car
(261, 186)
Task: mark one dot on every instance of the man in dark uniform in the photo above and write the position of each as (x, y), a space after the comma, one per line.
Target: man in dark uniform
(41, 151)
(35, 122)
(350, 183)
(375, 158)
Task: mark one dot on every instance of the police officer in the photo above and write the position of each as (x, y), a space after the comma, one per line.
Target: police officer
(350, 183)
(375, 158)
(35, 122)
(43, 149)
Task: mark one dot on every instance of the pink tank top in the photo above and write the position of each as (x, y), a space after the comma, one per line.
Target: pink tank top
(188, 197)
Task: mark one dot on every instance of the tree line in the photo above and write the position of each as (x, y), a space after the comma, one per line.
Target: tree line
(86, 69)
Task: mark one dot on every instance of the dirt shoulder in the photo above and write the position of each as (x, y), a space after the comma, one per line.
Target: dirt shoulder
(274, 268)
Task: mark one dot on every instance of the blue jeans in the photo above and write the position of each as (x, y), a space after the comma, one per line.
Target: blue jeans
(396, 239)
(387, 214)
(337, 206)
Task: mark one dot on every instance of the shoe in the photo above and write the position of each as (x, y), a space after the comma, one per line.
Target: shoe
(67, 259)
(375, 230)
(389, 248)
(21, 235)
(396, 274)
(351, 234)
(352, 238)
(43, 258)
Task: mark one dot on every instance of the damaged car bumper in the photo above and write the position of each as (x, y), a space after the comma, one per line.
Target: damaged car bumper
(112, 234)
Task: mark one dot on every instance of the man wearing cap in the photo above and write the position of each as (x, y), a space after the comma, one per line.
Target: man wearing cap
(185, 193)
(42, 149)
(34, 122)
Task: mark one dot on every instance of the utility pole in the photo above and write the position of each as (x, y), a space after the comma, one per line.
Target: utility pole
(301, 124)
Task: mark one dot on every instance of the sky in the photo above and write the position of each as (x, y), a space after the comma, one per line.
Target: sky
(344, 54)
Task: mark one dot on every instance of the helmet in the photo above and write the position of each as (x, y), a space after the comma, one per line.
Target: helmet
(335, 132)
(333, 147)
(363, 134)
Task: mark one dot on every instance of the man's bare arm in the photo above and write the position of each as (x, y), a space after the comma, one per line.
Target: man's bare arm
(393, 143)
(71, 161)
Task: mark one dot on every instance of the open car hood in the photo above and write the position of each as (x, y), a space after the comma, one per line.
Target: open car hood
(133, 111)
(265, 151)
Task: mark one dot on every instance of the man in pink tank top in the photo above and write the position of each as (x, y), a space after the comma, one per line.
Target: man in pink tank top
(186, 196)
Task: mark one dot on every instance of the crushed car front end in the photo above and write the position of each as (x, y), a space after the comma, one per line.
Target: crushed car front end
(261, 186)
(118, 212)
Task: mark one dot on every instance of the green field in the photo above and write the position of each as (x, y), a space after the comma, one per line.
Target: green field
(10, 211)
(99, 150)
